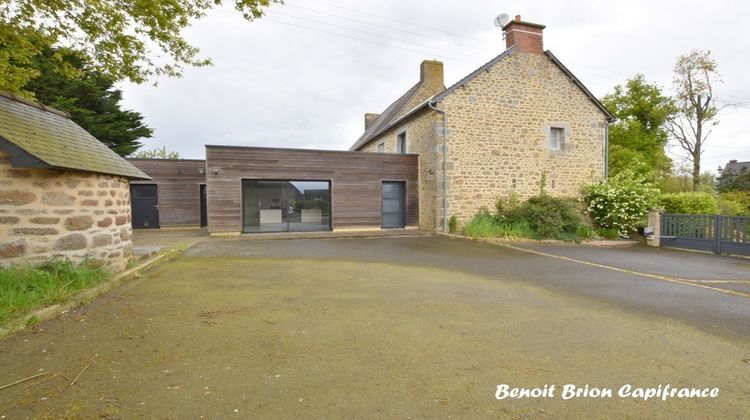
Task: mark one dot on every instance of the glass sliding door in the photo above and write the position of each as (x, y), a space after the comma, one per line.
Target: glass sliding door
(263, 206)
(309, 205)
(286, 206)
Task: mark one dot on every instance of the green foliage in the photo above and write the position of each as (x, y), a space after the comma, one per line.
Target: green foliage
(638, 137)
(156, 154)
(486, 225)
(89, 97)
(19, 46)
(608, 233)
(550, 217)
(453, 224)
(742, 197)
(689, 203)
(731, 208)
(539, 217)
(509, 204)
(134, 40)
(585, 232)
(26, 287)
(734, 181)
(621, 202)
(681, 180)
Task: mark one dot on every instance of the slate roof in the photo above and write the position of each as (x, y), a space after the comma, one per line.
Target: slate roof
(43, 137)
(386, 118)
(389, 117)
(733, 166)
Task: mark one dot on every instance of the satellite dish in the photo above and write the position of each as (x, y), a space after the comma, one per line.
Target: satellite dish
(501, 20)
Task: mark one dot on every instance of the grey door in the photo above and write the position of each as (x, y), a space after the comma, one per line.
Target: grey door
(145, 206)
(204, 207)
(394, 205)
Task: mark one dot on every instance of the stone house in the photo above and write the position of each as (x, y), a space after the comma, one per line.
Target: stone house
(517, 122)
(62, 192)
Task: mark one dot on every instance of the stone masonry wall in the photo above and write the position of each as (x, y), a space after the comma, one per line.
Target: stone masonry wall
(498, 125)
(51, 213)
(423, 137)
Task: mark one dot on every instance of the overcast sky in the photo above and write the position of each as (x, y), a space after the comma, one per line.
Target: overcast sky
(304, 75)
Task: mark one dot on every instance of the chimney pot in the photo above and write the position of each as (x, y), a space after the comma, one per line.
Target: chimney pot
(518, 18)
(733, 161)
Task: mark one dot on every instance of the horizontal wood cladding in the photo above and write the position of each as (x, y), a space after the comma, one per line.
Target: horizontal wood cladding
(355, 177)
(178, 187)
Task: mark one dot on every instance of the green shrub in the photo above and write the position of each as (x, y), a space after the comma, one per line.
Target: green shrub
(26, 287)
(731, 208)
(541, 216)
(585, 232)
(689, 203)
(452, 224)
(621, 202)
(607, 233)
(483, 225)
(550, 217)
(742, 197)
(486, 225)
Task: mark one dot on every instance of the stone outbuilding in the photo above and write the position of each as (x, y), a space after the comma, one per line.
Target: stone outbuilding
(62, 192)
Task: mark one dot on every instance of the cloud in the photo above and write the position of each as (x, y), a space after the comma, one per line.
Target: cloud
(288, 81)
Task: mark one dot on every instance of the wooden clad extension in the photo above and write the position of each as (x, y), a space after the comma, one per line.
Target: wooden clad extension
(178, 187)
(356, 179)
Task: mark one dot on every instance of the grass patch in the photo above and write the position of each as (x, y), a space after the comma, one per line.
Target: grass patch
(26, 287)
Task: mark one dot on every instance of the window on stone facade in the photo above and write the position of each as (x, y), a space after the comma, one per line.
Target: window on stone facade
(556, 138)
(381, 147)
(401, 143)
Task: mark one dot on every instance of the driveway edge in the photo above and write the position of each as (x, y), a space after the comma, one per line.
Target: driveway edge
(53, 311)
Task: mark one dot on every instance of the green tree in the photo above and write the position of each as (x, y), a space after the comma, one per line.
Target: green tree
(126, 39)
(88, 96)
(694, 76)
(734, 180)
(162, 153)
(638, 137)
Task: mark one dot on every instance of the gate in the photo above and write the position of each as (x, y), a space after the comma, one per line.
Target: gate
(718, 234)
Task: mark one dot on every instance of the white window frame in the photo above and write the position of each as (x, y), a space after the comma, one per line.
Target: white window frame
(402, 145)
(556, 142)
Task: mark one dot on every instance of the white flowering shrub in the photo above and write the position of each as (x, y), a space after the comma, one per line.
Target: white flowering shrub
(621, 202)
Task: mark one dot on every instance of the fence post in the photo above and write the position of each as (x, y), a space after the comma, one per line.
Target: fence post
(717, 234)
(654, 222)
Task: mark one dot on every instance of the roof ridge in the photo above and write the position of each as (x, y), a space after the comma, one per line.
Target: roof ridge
(34, 104)
(439, 96)
(389, 113)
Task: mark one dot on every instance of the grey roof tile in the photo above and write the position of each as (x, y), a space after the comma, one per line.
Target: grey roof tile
(56, 141)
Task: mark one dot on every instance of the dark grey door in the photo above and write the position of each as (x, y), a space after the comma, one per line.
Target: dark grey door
(145, 206)
(204, 207)
(394, 205)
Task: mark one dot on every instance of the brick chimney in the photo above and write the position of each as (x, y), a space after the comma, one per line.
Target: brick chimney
(526, 36)
(369, 119)
(431, 75)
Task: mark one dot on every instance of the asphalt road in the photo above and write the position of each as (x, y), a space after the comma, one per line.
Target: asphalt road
(697, 303)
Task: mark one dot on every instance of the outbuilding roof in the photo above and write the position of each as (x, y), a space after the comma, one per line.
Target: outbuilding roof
(38, 136)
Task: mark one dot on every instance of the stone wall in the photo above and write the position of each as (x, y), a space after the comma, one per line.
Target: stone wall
(423, 137)
(51, 213)
(498, 128)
